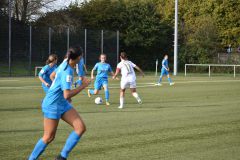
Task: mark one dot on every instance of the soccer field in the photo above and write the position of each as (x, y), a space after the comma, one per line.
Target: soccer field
(198, 118)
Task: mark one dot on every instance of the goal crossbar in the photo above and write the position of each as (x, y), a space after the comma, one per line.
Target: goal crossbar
(213, 65)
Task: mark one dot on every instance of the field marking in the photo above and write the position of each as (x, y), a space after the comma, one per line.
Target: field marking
(8, 80)
(143, 85)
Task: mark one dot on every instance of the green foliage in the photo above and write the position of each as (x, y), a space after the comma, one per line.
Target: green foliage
(146, 26)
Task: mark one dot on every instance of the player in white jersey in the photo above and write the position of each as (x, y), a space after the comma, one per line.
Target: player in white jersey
(128, 79)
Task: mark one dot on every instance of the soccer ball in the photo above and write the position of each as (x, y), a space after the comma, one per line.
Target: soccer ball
(98, 100)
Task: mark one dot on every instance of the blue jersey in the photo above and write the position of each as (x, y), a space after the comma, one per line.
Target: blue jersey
(165, 64)
(102, 70)
(54, 102)
(45, 73)
(80, 68)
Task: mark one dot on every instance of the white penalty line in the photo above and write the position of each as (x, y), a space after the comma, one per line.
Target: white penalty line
(8, 80)
(142, 85)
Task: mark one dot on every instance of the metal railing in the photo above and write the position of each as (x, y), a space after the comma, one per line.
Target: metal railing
(213, 65)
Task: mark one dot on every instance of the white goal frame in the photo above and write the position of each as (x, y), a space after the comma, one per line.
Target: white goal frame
(36, 70)
(213, 65)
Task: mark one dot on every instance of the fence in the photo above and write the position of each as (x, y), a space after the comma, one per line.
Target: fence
(213, 65)
(30, 46)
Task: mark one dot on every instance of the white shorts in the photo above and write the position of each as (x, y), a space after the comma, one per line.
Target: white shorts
(127, 84)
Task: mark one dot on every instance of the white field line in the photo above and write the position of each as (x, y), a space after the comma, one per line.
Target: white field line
(142, 85)
(8, 80)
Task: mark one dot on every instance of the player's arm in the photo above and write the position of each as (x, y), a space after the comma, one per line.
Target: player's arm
(92, 72)
(40, 76)
(52, 76)
(116, 73)
(164, 66)
(43, 81)
(68, 93)
(85, 68)
(139, 69)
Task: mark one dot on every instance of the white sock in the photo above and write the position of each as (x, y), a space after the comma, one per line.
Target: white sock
(135, 95)
(121, 101)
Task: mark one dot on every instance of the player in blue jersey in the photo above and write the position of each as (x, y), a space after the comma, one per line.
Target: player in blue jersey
(57, 105)
(81, 71)
(101, 80)
(165, 71)
(46, 71)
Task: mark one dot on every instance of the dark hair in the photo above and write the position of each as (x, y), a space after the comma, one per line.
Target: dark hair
(73, 53)
(51, 58)
(123, 55)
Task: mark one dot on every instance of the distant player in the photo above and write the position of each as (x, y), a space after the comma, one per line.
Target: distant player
(56, 105)
(81, 71)
(101, 80)
(165, 71)
(46, 71)
(128, 79)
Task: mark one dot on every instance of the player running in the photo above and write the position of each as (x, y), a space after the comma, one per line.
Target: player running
(46, 71)
(165, 71)
(56, 105)
(101, 80)
(81, 71)
(128, 79)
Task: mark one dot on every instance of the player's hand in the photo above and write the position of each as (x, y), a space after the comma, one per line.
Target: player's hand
(113, 77)
(46, 84)
(86, 82)
(168, 69)
(92, 77)
(143, 75)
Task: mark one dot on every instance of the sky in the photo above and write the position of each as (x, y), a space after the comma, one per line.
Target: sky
(58, 4)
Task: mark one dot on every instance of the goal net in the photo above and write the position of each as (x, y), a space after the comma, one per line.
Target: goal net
(37, 70)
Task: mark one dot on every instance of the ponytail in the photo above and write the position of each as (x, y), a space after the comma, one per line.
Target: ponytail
(51, 58)
(73, 53)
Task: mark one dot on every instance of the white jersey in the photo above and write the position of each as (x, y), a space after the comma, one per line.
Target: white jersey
(127, 70)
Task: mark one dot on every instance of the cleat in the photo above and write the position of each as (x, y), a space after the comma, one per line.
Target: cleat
(171, 84)
(158, 84)
(139, 101)
(60, 158)
(120, 107)
(88, 92)
(107, 103)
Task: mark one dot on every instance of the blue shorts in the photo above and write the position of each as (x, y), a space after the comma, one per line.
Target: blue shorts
(54, 111)
(164, 72)
(45, 88)
(100, 82)
(81, 73)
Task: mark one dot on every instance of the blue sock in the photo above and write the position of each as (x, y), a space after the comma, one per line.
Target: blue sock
(78, 82)
(107, 95)
(160, 80)
(169, 80)
(91, 91)
(38, 149)
(70, 144)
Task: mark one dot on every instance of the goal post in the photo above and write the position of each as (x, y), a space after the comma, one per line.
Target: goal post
(37, 69)
(213, 65)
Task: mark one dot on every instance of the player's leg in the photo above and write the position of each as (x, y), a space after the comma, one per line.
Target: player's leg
(72, 118)
(135, 94)
(123, 86)
(169, 80)
(97, 87)
(50, 128)
(79, 81)
(122, 95)
(160, 79)
(106, 91)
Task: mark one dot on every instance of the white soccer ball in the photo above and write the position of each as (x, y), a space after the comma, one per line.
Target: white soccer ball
(98, 100)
